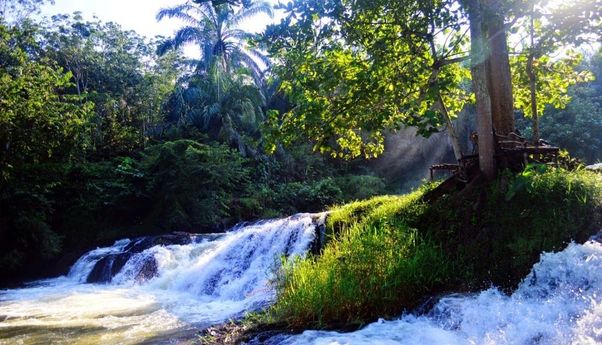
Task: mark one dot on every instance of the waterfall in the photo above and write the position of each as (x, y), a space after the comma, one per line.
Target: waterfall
(164, 289)
(156, 288)
(559, 302)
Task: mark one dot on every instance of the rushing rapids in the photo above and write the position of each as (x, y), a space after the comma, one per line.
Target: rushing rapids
(163, 290)
(559, 302)
(146, 290)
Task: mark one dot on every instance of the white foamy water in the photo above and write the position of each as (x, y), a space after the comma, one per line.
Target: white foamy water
(559, 302)
(196, 285)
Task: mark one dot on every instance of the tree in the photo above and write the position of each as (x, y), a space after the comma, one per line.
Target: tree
(540, 79)
(355, 68)
(38, 123)
(119, 72)
(577, 124)
(479, 71)
(42, 131)
(350, 73)
(14, 11)
(226, 107)
(213, 26)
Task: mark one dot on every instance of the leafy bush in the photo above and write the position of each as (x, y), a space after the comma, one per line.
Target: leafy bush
(308, 197)
(26, 217)
(191, 185)
(315, 196)
(100, 201)
(358, 187)
(27, 230)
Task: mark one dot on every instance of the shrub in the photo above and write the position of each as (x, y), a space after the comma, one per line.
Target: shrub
(191, 185)
(359, 187)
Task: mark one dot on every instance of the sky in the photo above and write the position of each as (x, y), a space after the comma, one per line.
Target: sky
(137, 15)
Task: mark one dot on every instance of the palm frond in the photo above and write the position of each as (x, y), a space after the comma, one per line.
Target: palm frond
(243, 14)
(259, 55)
(238, 34)
(211, 13)
(181, 12)
(164, 47)
(188, 34)
(243, 59)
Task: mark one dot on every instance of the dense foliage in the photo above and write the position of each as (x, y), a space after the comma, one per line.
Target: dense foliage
(576, 126)
(102, 139)
(355, 69)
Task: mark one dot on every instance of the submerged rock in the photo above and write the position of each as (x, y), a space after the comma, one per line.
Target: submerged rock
(110, 265)
(106, 268)
(597, 237)
(148, 270)
(144, 243)
(244, 332)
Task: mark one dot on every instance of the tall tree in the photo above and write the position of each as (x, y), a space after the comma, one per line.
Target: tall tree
(38, 122)
(226, 107)
(119, 72)
(498, 68)
(578, 126)
(540, 79)
(214, 27)
(354, 68)
(482, 80)
(14, 11)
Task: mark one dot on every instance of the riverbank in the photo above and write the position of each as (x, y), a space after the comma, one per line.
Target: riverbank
(385, 255)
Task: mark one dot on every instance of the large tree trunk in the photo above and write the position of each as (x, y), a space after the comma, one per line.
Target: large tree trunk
(479, 61)
(500, 80)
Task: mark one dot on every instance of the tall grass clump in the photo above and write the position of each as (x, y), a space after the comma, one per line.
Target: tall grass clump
(374, 263)
(387, 254)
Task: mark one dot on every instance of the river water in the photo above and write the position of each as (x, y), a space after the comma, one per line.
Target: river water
(211, 280)
(559, 302)
(219, 277)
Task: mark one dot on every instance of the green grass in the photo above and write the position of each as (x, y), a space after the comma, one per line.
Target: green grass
(386, 254)
(374, 262)
(502, 231)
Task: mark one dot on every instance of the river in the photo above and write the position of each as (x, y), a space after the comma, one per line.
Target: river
(218, 277)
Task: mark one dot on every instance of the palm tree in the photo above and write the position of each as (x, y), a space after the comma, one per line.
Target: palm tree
(215, 28)
(231, 113)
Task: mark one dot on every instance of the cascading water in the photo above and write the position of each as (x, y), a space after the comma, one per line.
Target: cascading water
(159, 294)
(559, 302)
(153, 292)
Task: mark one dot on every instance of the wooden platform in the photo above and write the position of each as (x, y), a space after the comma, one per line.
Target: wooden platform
(512, 152)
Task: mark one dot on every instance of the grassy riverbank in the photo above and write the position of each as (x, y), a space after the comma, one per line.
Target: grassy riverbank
(386, 254)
